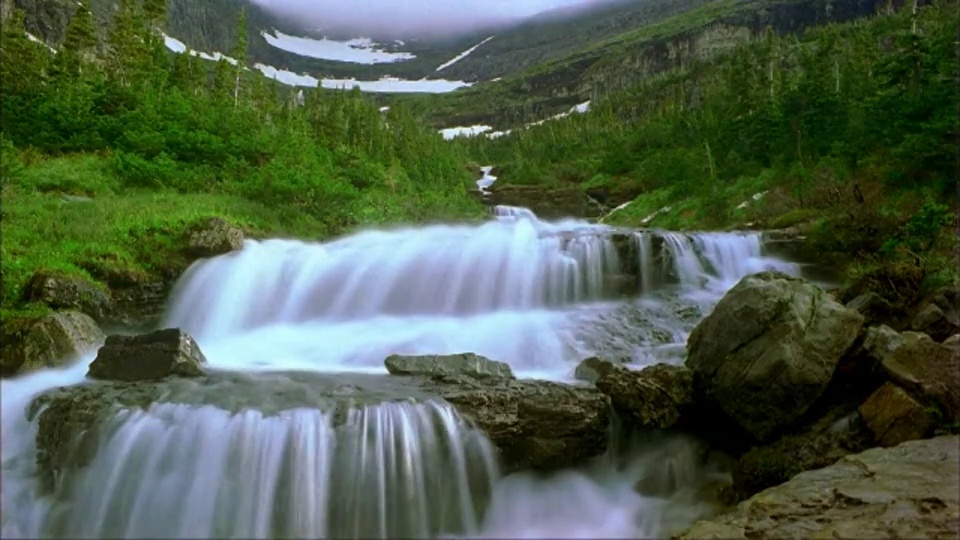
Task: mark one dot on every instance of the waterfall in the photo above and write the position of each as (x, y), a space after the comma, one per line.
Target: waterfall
(531, 293)
(390, 470)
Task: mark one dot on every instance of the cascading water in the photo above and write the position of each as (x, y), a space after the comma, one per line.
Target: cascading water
(394, 469)
(538, 295)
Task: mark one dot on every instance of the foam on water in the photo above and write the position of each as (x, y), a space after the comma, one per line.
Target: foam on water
(534, 294)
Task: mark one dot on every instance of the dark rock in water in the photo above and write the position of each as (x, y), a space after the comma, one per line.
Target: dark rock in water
(47, 341)
(909, 491)
(769, 349)
(535, 424)
(655, 397)
(831, 437)
(591, 369)
(62, 291)
(895, 417)
(874, 308)
(146, 357)
(214, 237)
(466, 364)
(928, 370)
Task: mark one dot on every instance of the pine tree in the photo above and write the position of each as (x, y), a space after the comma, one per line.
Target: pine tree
(239, 53)
(155, 13)
(78, 44)
(22, 62)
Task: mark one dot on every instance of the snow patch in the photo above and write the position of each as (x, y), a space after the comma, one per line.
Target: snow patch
(649, 218)
(486, 180)
(356, 51)
(180, 47)
(754, 198)
(35, 39)
(386, 84)
(469, 131)
(462, 55)
(614, 211)
(174, 44)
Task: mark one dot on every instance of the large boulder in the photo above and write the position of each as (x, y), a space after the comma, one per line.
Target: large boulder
(147, 357)
(214, 237)
(769, 349)
(928, 370)
(68, 292)
(466, 364)
(909, 491)
(938, 317)
(591, 369)
(874, 308)
(655, 397)
(51, 340)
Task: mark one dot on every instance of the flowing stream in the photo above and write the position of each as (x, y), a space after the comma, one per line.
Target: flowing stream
(539, 296)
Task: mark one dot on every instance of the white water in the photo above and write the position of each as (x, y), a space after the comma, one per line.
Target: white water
(517, 289)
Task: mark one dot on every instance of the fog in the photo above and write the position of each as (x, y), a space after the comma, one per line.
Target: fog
(406, 18)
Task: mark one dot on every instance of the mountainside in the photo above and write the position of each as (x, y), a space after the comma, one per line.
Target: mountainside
(521, 72)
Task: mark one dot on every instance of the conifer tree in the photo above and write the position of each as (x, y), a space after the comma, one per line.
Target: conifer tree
(239, 53)
(78, 44)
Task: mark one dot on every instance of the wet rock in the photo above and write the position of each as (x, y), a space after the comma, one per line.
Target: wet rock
(928, 370)
(874, 308)
(655, 397)
(465, 364)
(214, 237)
(535, 424)
(593, 368)
(769, 349)
(51, 340)
(150, 356)
(894, 417)
(64, 291)
(909, 491)
(834, 435)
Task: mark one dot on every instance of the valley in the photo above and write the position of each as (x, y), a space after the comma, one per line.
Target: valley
(631, 268)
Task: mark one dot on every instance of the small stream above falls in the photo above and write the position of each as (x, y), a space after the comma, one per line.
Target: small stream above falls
(538, 295)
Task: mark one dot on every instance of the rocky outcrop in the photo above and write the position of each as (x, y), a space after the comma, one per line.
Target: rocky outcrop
(214, 237)
(465, 364)
(939, 316)
(655, 397)
(47, 341)
(909, 491)
(874, 308)
(768, 351)
(591, 369)
(152, 356)
(70, 292)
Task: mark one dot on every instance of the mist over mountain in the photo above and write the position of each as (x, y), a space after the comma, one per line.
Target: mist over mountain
(422, 19)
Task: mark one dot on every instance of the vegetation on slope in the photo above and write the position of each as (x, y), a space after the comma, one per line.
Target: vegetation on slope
(107, 160)
(850, 129)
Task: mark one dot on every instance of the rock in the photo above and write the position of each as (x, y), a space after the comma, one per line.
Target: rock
(535, 424)
(655, 397)
(952, 341)
(150, 356)
(874, 308)
(63, 291)
(593, 368)
(214, 237)
(466, 364)
(48, 341)
(909, 491)
(834, 435)
(769, 349)
(928, 370)
(859, 371)
(935, 321)
(894, 417)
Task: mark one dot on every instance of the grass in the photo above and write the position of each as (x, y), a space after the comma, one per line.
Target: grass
(48, 223)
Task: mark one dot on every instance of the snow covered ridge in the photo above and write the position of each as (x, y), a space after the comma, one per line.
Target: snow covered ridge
(462, 55)
(472, 131)
(357, 51)
(385, 84)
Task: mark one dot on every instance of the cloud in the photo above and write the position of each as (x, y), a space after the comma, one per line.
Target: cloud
(406, 17)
